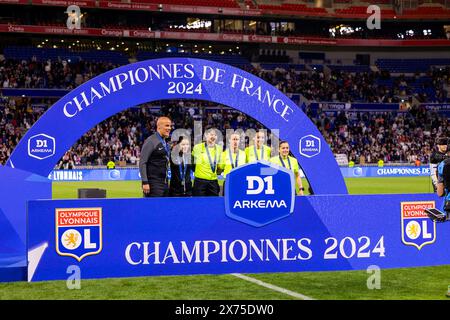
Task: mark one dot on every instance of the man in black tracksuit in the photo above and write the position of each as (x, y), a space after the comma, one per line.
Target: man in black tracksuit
(437, 156)
(154, 162)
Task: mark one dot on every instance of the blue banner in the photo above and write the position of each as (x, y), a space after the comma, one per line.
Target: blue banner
(179, 236)
(133, 173)
(436, 106)
(95, 175)
(370, 172)
(441, 108)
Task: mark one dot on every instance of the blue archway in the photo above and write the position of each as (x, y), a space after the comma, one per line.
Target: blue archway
(176, 78)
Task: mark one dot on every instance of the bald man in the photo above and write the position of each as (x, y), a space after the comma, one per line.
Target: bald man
(154, 164)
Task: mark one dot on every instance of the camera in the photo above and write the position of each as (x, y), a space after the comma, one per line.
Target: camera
(437, 215)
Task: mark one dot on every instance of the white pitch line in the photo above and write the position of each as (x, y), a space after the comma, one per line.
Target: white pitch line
(272, 287)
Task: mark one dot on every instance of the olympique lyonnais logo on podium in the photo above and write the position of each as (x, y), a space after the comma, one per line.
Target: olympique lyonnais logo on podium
(417, 229)
(78, 232)
(259, 193)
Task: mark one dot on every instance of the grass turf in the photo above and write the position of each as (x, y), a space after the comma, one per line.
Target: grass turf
(131, 189)
(426, 283)
(407, 283)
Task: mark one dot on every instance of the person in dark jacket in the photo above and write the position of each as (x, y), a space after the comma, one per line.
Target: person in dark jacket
(154, 163)
(181, 169)
(437, 156)
(443, 190)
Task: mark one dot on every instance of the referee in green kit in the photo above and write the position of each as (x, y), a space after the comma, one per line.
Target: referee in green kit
(207, 157)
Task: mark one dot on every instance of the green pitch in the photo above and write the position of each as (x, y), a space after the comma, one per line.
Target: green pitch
(132, 189)
(411, 283)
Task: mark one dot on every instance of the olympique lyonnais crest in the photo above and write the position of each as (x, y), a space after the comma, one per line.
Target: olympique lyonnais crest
(78, 232)
(417, 229)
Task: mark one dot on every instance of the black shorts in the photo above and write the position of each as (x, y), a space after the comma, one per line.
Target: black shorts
(205, 188)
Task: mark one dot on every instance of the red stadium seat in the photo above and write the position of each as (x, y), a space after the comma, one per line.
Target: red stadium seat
(294, 8)
(203, 3)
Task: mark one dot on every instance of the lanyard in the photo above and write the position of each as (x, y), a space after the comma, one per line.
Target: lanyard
(183, 168)
(230, 155)
(212, 165)
(256, 152)
(167, 148)
(165, 145)
(289, 161)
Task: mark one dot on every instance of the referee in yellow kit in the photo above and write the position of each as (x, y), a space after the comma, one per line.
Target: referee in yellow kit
(285, 160)
(232, 157)
(258, 151)
(207, 157)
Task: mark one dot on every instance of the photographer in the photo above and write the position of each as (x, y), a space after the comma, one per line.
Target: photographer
(437, 156)
(443, 190)
(443, 185)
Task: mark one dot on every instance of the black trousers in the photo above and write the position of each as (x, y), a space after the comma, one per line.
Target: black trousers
(157, 189)
(205, 188)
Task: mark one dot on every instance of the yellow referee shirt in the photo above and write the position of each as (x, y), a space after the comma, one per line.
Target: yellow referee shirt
(206, 167)
(289, 163)
(253, 154)
(110, 165)
(229, 162)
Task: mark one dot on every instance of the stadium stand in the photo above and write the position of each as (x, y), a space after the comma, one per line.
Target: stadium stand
(233, 25)
(234, 60)
(362, 10)
(285, 66)
(249, 4)
(410, 65)
(59, 74)
(364, 137)
(205, 3)
(37, 54)
(293, 8)
(61, 68)
(345, 133)
(424, 11)
(349, 68)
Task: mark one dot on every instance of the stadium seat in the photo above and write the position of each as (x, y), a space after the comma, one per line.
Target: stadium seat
(410, 65)
(41, 54)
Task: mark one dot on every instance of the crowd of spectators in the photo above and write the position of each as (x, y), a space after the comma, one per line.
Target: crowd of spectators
(120, 137)
(335, 86)
(339, 86)
(16, 117)
(50, 74)
(365, 137)
(394, 137)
